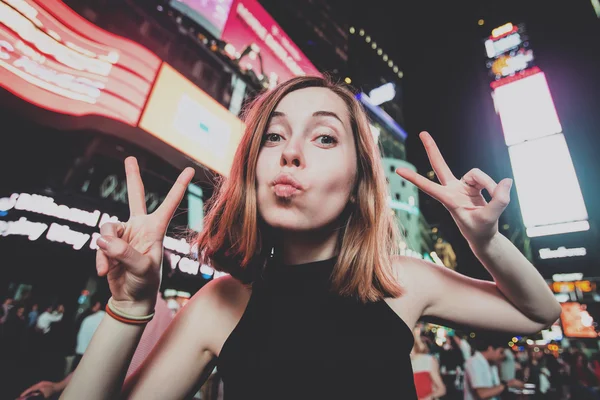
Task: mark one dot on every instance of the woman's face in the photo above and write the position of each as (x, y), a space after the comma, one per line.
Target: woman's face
(306, 167)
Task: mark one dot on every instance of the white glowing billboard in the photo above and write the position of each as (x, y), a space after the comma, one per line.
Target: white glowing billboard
(549, 193)
(526, 109)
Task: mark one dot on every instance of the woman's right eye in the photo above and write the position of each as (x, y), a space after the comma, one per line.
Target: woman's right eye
(272, 137)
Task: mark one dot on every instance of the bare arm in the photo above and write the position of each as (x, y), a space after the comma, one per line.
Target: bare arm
(519, 300)
(179, 363)
(457, 300)
(439, 389)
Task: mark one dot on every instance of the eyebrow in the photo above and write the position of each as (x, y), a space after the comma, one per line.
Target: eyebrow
(315, 114)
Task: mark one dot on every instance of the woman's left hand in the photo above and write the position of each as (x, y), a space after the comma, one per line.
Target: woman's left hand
(476, 218)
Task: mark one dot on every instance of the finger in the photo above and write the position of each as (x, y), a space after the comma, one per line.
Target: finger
(102, 263)
(480, 180)
(30, 390)
(431, 188)
(166, 210)
(119, 250)
(501, 196)
(135, 187)
(435, 158)
(112, 229)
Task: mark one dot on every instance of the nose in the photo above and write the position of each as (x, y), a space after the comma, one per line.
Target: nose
(292, 155)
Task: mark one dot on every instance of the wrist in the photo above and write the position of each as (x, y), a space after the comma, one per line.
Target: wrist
(135, 308)
(486, 245)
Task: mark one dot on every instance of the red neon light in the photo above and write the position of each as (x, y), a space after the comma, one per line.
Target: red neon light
(55, 59)
(518, 76)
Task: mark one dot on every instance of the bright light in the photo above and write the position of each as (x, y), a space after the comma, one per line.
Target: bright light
(546, 183)
(379, 51)
(395, 68)
(375, 131)
(480, 22)
(526, 109)
(348, 80)
(373, 45)
(436, 259)
(494, 48)
(562, 252)
(383, 93)
(368, 39)
(502, 30)
(391, 63)
(400, 74)
(385, 57)
(567, 227)
(352, 30)
(574, 276)
(361, 32)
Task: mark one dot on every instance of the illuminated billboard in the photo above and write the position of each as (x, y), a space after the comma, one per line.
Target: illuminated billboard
(188, 119)
(52, 57)
(526, 109)
(549, 193)
(547, 186)
(248, 24)
(211, 14)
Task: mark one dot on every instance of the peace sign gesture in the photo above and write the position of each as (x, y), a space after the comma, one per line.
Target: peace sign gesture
(476, 218)
(130, 254)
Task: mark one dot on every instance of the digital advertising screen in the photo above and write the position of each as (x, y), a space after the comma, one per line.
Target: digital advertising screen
(211, 14)
(547, 185)
(249, 23)
(190, 120)
(52, 57)
(526, 109)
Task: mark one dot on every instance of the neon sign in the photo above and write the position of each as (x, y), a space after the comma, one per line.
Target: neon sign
(48, 57)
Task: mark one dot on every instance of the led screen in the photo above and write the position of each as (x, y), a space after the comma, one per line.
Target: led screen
(578, 321)
(211, 14)
(526, 109)
(188, 119)
(546, 183)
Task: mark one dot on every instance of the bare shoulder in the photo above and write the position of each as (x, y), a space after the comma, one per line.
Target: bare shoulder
(219, 305)
(416, 278)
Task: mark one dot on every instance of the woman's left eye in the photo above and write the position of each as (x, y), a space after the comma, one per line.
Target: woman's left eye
(326, 140)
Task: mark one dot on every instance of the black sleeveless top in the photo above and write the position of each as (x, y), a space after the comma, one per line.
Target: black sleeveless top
(297, 340)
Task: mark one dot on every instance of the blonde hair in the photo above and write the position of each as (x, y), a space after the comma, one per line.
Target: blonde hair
(236, 241)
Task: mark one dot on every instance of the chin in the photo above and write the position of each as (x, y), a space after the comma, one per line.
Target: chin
(285, 219)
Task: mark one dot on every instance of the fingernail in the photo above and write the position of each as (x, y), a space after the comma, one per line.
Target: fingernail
(508, 183)
(102, 243)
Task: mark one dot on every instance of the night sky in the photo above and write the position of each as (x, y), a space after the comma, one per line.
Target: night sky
(445, 87)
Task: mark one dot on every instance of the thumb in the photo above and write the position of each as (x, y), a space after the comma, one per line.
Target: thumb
(119, 250)
(501, 195)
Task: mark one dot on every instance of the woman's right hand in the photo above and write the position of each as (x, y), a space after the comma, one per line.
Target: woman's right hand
(130, 254)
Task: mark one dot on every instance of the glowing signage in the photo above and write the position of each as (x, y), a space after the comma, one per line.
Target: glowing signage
(494, 48)
(547, 186)
(188, 119)
(573, 276)
(54, 58)
(577, 321)
(248, 23)
(506, 65)
(526, 109)
(502, 30)
(562, 252)
(211, 14)
(383, 93)
(60, 233)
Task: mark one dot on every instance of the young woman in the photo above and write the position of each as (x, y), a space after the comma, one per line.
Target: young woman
(317, 303)
(426, 371)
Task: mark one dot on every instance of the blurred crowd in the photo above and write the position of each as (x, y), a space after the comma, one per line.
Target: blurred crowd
(462, 367)
(40, 348)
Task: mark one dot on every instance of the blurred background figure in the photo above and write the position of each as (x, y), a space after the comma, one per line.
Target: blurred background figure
(426, 370)
(452, 364)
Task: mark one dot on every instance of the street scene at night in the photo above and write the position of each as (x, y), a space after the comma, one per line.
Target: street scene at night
(306, 199)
